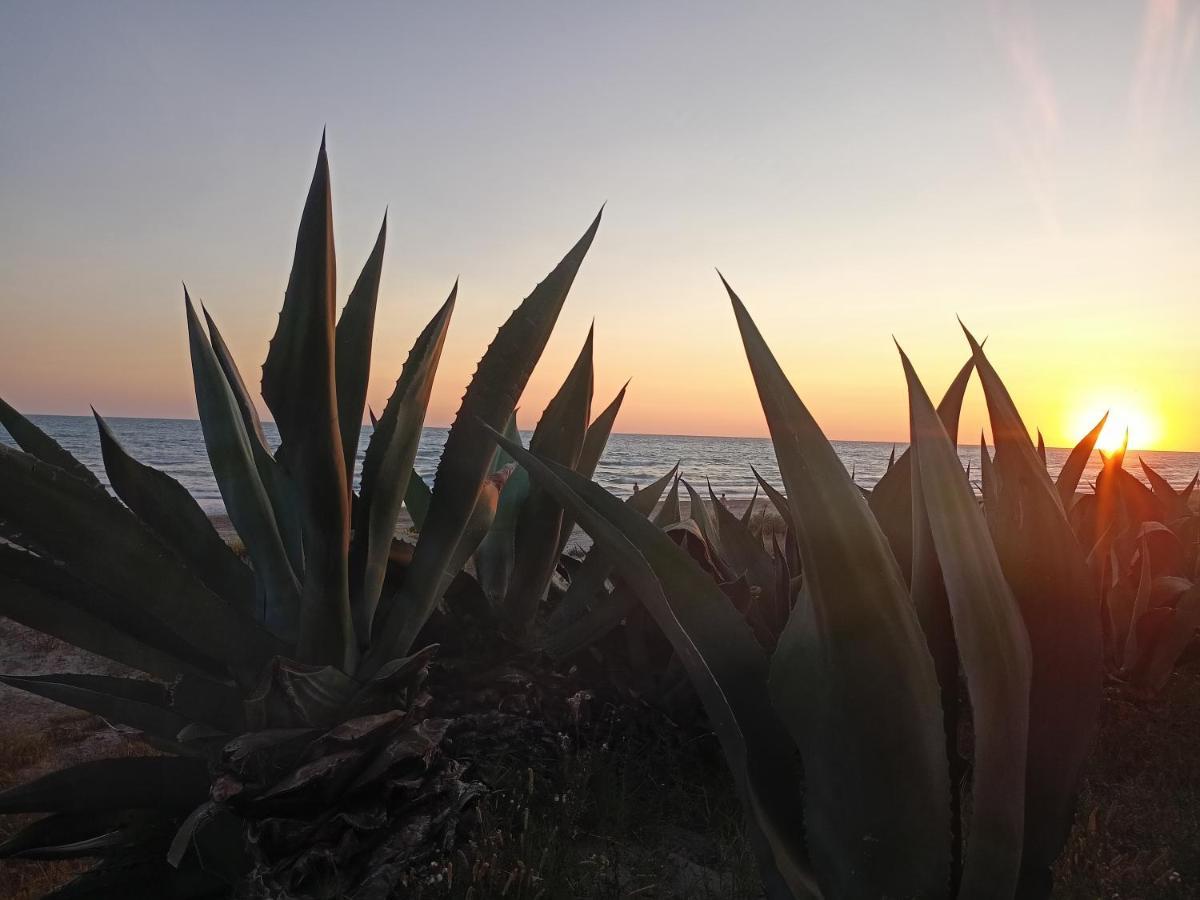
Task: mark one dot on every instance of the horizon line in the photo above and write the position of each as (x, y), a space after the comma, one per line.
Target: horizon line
(661, 434)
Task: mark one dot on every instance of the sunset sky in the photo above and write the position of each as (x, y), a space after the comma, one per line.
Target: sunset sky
(856, 170)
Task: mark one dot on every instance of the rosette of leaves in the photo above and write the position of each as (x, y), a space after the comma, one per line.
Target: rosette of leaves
(280, 690)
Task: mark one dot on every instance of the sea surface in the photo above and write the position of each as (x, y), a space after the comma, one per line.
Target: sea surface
(176, 446)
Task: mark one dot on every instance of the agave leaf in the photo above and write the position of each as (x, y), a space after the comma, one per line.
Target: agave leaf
(143, 705)
(1047, 572)
(1186, 494)
(511, 431)
(1072, 470)
(991, 641)
(598, 433)
(299, 387)
(727, 666)
(891, 498)
(166, 506)
(748, 512)
(87, 834)
(1141, 605)
(388, 465)
(237, 477)
(851, 675)
(44, 597)
(588, 580)
(352, 342)
(559, 436)
(131, 875)
(417, 498)
(489, 402)
(496, 553)
(777, 499)
(1041, 447)
(153, 782)
(742, 551)
(37, 443)
(701, 515)
(590, 625)
(1172, 503)
(1177, 634)
(274, 481)
(480, 522)
(104, 544)
(594, 443)
(670, 514)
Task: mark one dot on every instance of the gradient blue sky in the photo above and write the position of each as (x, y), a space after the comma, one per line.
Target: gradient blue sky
(856, 170)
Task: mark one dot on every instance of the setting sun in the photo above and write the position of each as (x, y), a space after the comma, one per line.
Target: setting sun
(1124, 416)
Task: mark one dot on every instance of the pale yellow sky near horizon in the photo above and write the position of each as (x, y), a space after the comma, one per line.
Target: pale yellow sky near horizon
(856, 174)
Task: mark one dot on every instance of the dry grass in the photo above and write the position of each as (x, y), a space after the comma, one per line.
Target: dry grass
(1138, 832)
(19, 755)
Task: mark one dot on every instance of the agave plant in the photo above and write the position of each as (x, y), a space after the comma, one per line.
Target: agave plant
(1145, 558)
(840, 737)
(299, 753)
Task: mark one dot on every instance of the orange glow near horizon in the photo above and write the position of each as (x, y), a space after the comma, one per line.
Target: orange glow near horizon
(1126, 416)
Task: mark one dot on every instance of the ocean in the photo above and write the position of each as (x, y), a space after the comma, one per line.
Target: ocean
(176, 446)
